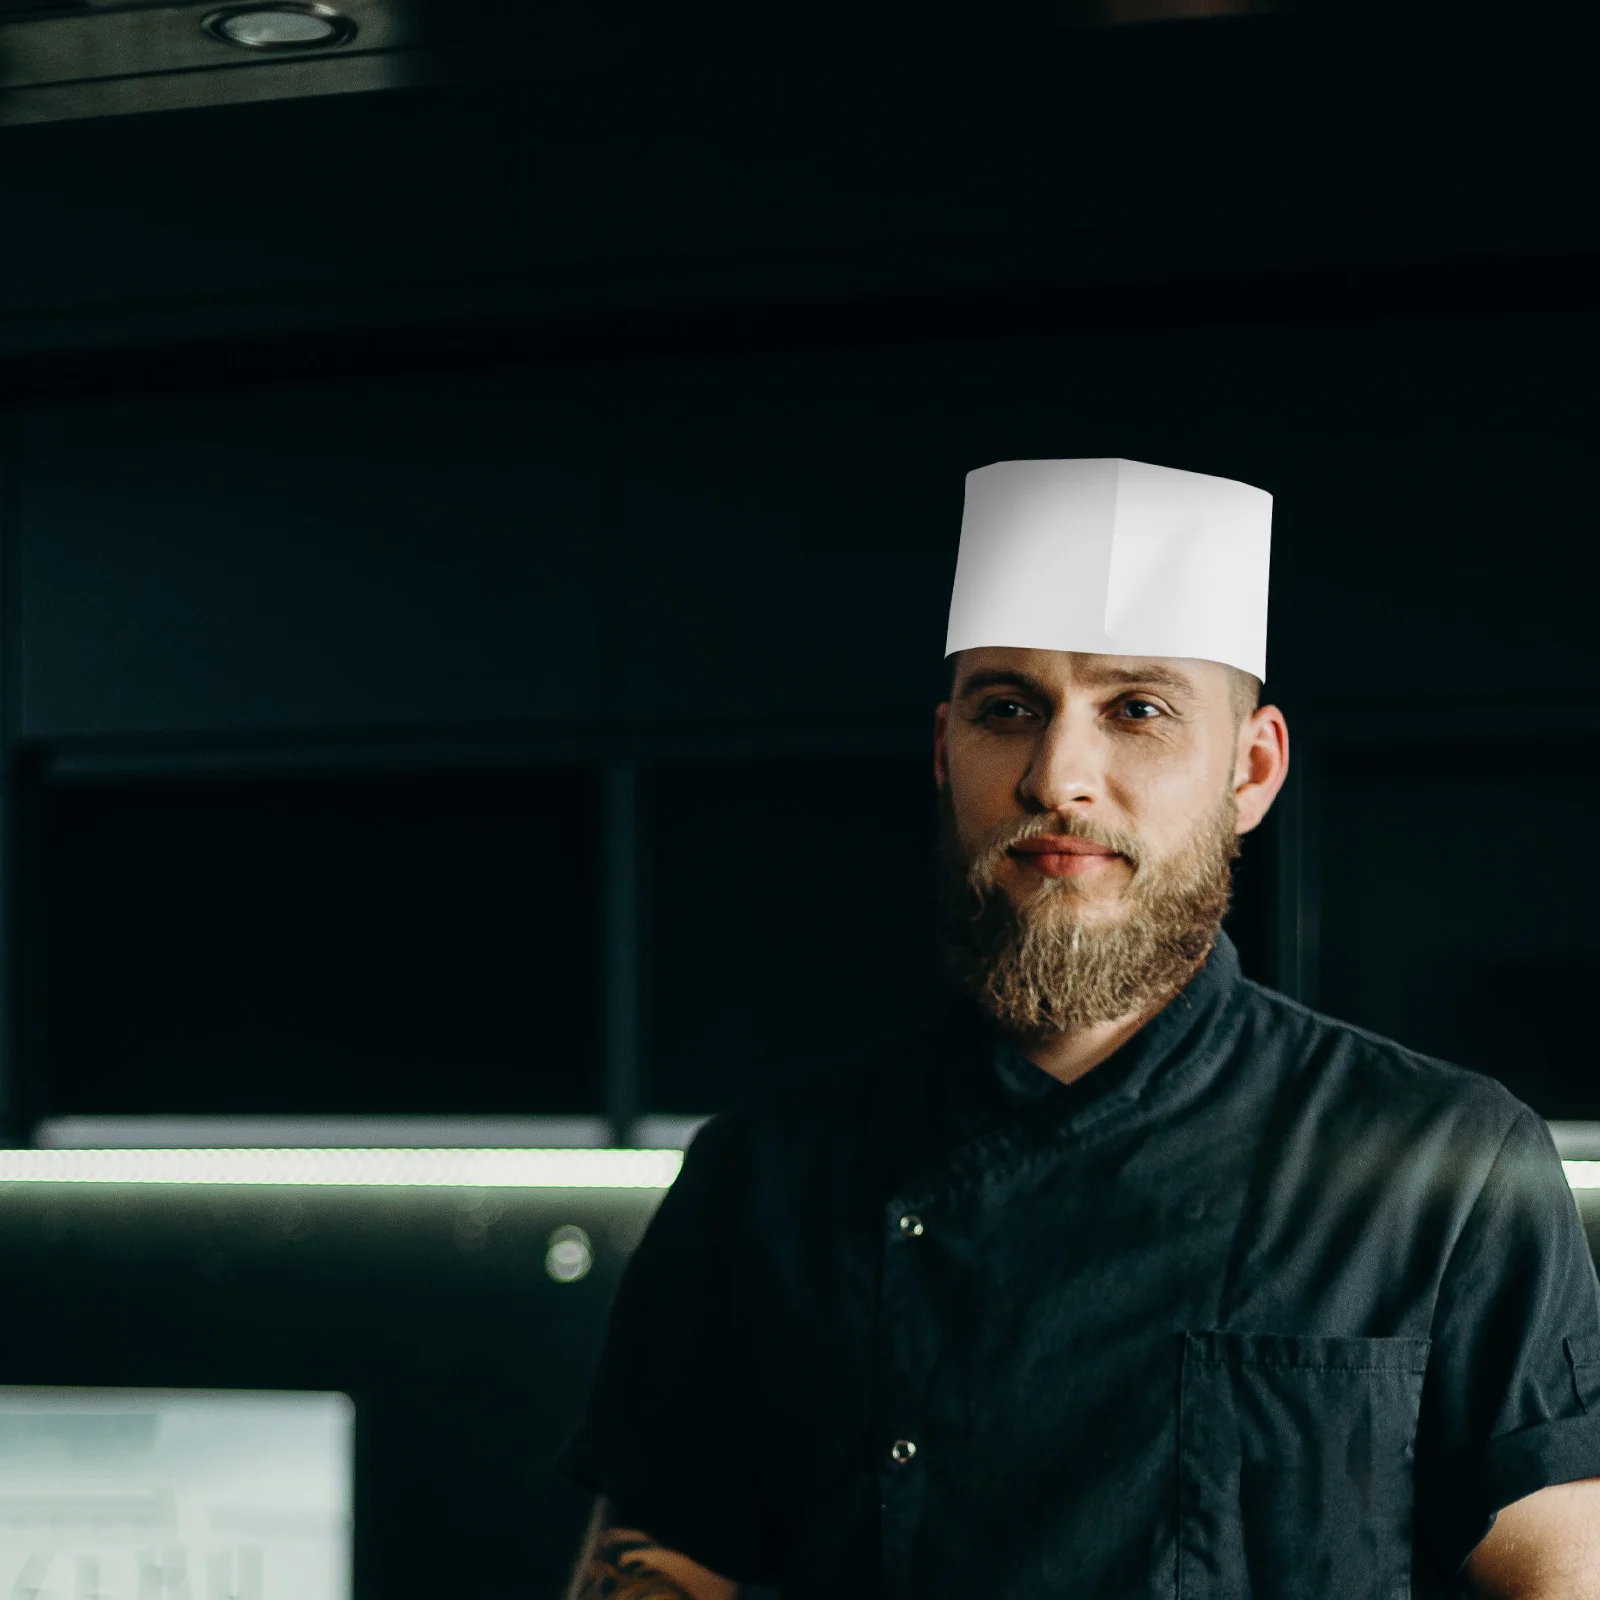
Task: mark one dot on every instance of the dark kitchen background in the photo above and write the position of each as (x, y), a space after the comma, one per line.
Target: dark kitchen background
(467, 489)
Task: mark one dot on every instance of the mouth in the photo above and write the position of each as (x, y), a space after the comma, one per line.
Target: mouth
(1064, 858)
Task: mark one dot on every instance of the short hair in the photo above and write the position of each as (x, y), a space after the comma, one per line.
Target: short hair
(1244, 688)
(1244, 692)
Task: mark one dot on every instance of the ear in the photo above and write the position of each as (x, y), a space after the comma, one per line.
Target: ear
(1261, 763)
(941, 765)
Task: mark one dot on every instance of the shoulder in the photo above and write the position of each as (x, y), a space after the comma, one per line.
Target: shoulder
(1351, 1071)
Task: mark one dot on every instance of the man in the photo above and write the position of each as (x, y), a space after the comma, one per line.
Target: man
(1130, 1277)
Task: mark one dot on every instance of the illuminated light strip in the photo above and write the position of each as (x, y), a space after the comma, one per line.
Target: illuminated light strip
(377, 1168)
(438, 1168)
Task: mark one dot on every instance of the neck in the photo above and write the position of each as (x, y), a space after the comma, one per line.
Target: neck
(1075, 1051)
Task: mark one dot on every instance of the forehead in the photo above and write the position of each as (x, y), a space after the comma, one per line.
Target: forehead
(1060, 671)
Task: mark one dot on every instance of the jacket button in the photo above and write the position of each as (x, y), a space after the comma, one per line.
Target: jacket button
(911, 1226)
(901, 1451)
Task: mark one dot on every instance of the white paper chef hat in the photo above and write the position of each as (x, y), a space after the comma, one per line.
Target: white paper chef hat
(1114, 558)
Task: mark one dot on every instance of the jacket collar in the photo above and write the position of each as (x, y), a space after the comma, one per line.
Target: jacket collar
(1001, 1083)
(985, 1103)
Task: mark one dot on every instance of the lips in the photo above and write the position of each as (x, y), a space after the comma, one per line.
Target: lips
(1061, 847)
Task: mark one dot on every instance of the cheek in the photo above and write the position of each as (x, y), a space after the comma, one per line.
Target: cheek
(990, 771)
(1167, 790)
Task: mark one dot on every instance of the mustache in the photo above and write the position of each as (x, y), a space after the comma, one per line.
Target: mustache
(987, 857)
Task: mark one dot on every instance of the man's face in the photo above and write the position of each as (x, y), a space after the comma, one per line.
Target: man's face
(1133, 762)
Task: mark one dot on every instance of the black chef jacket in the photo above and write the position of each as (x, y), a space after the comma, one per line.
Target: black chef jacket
(1263, 1306)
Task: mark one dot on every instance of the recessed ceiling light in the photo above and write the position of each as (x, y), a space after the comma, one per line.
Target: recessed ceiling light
(280, 27)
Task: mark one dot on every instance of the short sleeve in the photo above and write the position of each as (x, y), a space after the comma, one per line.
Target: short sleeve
(661, 1435)
(1507, 1407)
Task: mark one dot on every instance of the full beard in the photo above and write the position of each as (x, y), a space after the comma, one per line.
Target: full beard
(1057, 961)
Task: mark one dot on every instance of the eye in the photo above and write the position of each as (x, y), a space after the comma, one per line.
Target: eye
(1149, 707)
(994, 705)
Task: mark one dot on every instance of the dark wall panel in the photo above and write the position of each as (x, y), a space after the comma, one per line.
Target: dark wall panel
(789, 920)
(307, 560)
(692, 540)
(1458, 898)
(793, 562)
(383, 944)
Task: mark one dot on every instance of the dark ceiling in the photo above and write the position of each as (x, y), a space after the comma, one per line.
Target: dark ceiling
(476, 180)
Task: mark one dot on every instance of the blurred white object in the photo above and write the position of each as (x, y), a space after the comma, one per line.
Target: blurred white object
(1577, 1141)
(570, 1255)
(211, 1494)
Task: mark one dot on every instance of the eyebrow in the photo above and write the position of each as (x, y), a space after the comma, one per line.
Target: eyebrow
(1146, 674)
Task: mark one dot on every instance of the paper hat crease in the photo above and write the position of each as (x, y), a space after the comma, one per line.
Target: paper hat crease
(1113, 557)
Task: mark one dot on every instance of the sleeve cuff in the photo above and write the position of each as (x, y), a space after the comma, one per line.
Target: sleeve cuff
(1516, 1464)
(1505, 1470)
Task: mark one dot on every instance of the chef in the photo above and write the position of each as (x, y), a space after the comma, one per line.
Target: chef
(1128, 1277)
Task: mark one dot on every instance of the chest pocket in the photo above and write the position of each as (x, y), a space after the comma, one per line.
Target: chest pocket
(1294, 1471)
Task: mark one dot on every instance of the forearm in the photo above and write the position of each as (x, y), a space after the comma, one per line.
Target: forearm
(1543, 1547)
(1569, 1586)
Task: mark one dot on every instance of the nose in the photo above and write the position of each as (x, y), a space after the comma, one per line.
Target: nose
(1068, 766)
